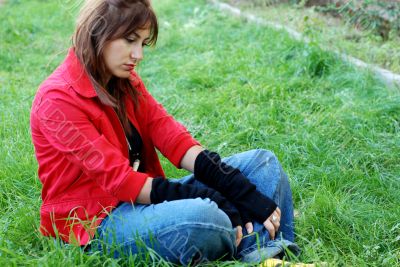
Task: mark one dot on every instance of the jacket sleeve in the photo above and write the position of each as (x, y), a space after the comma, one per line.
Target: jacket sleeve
(169, 136)
(69, 130)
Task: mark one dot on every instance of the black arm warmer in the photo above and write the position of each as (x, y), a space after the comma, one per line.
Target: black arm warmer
(210, 170)
(162, 189)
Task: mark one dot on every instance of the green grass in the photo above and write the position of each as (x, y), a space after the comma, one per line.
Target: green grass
(236, 86)
(333, 33)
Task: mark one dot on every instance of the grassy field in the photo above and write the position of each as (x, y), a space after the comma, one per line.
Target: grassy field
(333, 33)
(236, 86)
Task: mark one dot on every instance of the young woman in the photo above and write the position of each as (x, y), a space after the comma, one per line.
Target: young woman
(95, 128)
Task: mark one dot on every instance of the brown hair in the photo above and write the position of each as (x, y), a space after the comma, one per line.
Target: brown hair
(102, 21)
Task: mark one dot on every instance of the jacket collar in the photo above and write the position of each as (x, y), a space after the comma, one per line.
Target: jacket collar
(77, 77)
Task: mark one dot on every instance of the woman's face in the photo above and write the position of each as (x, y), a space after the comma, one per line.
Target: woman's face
(122, 55)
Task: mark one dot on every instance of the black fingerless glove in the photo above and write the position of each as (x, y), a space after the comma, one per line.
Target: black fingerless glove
(162, 189)
(229, 181)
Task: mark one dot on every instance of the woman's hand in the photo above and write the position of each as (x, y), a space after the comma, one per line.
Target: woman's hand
(273, 222)
(239, 235)
(232, 184)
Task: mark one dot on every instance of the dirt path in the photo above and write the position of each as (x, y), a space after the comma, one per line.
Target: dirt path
(2, 2)
(390, 78)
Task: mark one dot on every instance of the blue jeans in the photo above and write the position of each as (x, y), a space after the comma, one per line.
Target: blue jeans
(191, 231)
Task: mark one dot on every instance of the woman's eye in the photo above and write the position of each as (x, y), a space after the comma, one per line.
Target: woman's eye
(129, 40)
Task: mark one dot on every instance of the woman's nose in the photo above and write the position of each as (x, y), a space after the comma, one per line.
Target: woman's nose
(137, 53)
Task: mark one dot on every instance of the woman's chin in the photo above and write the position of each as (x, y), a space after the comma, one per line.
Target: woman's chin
(123, 74)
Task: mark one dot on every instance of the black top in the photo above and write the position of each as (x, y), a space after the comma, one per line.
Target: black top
(134, 141)
(135, 145)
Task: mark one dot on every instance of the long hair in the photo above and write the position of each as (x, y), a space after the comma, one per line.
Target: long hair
(100, 22)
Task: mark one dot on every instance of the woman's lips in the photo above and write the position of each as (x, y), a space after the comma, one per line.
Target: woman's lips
(129, 67)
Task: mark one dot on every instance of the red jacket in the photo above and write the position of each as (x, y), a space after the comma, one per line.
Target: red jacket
(82, 152)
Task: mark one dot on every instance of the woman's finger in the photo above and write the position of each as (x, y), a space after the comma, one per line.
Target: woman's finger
(278, 210)
(239, 235)
(271, 229)
(275, 219)
(276, 224)
(249, 227)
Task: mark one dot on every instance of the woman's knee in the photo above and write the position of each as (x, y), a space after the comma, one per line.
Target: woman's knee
(257, 159)
(263, 169)
(248, 160)
(265, 155)
(273, 165)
